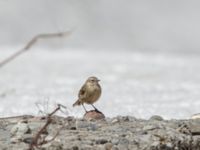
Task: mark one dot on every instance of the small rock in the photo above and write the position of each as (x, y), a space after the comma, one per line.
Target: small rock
(72, 128)
(53, 146)
(20, 128)
(4, 147)
(70, 123)
(16, 139)
(194, 127)
(19, 146)
(75, 148)
(132, 118)
(108, 146)
(122, 147)
(80, 124)
(155, 144)
(169, 145)
(86, 147)
(184, 128)
(92, 127)
(123, 118)
(88, 142)
(115, 148)
(70, 118)
(93, 115)
(195, 116)
(115, 121)
(149, 127)
(123, 141)
(115, 141)
(28, 140)
(156, 118)
(101, 141)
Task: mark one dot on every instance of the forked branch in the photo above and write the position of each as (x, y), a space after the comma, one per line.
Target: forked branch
(35, 142)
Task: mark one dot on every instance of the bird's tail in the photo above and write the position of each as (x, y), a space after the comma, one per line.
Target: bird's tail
(77, 103)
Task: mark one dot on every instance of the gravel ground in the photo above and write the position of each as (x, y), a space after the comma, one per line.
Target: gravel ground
(117, 133)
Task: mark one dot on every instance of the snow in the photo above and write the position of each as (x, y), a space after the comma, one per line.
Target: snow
(134, 83)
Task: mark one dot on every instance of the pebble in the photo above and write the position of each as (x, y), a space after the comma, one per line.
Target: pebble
(155, 144)
(93, 115)
(150, 127)
(82, 124)
(122, 147)
(101, 141)
(53, 146)
(20, 129)
(16, 139)
(156, 118)
(75, 148)
(195, 116)
(194, 127)
(108, 146)
(114, 148)
(115, 121)
(124, 141)
(115, 141)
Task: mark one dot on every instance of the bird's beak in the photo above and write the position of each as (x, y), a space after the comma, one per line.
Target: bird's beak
(98, 80)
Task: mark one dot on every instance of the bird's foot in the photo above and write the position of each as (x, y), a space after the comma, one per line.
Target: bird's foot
(97, 110)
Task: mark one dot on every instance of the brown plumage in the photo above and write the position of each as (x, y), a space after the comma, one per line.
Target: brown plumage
(89, 93)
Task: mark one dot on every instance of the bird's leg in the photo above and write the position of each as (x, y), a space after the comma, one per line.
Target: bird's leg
(95, 108)
(84, 108)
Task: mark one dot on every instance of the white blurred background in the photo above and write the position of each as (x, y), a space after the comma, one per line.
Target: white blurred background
(146, 54)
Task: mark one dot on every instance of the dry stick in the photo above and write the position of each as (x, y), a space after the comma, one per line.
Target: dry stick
(32, 42)
(37, 137)
(53, 138)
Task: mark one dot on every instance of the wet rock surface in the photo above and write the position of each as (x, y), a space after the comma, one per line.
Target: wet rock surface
(118, 133)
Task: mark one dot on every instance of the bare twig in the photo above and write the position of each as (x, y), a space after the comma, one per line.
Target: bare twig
(32, 42)
(53, 138)
(43, 106)
(34, 142)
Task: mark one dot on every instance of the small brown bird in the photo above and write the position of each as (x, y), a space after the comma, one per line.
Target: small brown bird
(89, 93)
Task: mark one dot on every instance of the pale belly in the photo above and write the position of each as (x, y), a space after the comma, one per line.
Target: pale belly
(92, 96)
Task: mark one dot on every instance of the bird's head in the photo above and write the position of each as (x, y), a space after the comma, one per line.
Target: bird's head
(92, 80)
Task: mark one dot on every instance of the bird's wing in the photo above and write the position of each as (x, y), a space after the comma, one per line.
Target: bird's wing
(82, 92)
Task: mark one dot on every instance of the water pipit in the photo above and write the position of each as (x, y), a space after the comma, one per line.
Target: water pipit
(89, 93)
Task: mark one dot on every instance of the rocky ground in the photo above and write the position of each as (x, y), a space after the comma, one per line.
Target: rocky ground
(118, 133)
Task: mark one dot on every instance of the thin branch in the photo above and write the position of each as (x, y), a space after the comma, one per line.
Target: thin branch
(53, 138)
(34, 142)
(43, 106)
(32, 42)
